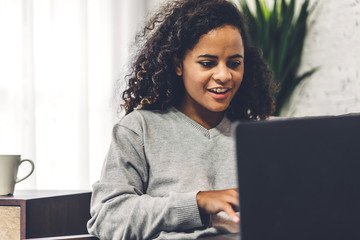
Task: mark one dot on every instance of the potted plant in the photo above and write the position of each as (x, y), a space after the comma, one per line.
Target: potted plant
(280, 33)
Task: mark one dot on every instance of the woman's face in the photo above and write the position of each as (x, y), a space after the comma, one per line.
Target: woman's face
(212, 72)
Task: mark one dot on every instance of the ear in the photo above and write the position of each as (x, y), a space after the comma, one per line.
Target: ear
(178, 66)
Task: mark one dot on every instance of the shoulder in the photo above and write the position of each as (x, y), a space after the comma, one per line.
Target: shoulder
(138, 120)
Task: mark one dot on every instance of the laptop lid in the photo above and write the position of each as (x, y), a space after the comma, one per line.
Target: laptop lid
(299, 178)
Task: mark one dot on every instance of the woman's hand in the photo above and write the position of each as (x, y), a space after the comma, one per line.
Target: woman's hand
(212, 202)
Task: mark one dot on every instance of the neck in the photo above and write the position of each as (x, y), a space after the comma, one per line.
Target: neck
(204, 117)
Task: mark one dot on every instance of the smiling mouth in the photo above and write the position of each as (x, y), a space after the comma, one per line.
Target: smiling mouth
(219, 90)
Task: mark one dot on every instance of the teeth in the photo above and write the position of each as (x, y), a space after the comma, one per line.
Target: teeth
(219, 90)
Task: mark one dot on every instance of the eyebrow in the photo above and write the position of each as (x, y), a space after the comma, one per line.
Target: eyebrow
(215, 57)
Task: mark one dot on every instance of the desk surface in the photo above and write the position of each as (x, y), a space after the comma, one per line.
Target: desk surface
(70, 237)
(230, 236)
(36, 194)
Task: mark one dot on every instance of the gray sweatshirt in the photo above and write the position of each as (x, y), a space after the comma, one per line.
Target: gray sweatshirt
(156, 164)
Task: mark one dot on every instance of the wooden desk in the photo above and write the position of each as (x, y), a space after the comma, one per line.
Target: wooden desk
(38, 214)
(226, 236)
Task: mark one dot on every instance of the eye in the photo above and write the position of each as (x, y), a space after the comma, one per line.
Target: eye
(207, 64)
(234, 64)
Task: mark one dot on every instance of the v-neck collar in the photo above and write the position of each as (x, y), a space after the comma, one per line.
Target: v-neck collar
(224, 127)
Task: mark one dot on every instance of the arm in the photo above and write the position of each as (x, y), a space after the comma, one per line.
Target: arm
(120, 207)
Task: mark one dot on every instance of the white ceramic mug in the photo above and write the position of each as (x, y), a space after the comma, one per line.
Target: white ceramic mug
(9, 165)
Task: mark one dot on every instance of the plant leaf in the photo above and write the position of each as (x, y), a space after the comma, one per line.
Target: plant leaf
(280, 34)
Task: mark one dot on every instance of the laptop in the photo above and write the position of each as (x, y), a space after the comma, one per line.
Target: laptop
(299, 178)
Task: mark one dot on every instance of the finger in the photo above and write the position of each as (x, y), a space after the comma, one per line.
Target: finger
(231, 213)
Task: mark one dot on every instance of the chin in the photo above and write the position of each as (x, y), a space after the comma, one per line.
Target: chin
(219, 109)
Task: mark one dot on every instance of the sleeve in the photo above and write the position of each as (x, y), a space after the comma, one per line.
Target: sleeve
(120, 207)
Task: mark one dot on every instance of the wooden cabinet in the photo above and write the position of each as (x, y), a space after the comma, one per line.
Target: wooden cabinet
(38, 214)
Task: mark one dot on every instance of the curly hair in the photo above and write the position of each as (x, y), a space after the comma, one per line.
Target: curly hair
(176, 28)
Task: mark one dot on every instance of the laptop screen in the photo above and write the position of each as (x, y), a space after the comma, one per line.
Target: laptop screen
(299, 178)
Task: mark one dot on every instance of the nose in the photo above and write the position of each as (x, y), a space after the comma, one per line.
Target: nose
(222, 74)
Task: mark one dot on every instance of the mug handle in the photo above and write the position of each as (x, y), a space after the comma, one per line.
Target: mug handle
(32, 169)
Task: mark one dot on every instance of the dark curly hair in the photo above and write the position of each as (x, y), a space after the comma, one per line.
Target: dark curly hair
(176, 28)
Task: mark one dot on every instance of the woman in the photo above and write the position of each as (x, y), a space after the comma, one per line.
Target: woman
(170, 172)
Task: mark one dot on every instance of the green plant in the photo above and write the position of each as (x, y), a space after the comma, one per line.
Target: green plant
(280, 33)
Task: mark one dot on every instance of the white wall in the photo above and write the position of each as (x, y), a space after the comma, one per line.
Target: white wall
(333, 44)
